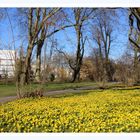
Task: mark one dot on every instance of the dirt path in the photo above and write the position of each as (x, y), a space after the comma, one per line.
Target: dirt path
(49, 93)
(7, 99)
(58, 92)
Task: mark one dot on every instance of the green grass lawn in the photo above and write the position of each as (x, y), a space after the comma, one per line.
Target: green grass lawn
(10, 90)
(7, 90)
(62, 86)
(90, 111)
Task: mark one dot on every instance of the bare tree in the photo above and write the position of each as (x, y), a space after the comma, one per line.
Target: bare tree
(97, 54)
(36, 23)
(134, 17)
(102, 34)
(136, 55)
(53, 25)
(81, 16)
(134, 38)
(40, 43)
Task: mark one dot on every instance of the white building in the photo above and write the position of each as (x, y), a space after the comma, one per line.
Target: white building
(7, 62)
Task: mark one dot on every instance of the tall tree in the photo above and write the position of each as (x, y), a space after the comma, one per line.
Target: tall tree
(81, 16)
(36, 22)
(40, 43)
(53, 25)
(102, 34)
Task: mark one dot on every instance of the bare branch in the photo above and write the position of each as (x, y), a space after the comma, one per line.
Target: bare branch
(135, 44)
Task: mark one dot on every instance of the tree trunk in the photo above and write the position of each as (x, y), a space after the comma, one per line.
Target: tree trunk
(100, 65)
(75, 74)
(136, 68)
(38, 63)
(78, 54)
(25, 75)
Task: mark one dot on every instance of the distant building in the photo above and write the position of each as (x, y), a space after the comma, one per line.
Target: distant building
(7, 62)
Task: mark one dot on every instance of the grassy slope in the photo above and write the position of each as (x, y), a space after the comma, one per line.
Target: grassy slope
(94, 111)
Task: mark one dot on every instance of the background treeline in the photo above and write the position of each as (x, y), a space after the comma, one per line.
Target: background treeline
(39, 34)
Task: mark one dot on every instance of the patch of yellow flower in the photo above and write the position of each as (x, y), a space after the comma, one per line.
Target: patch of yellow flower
(96, 111)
